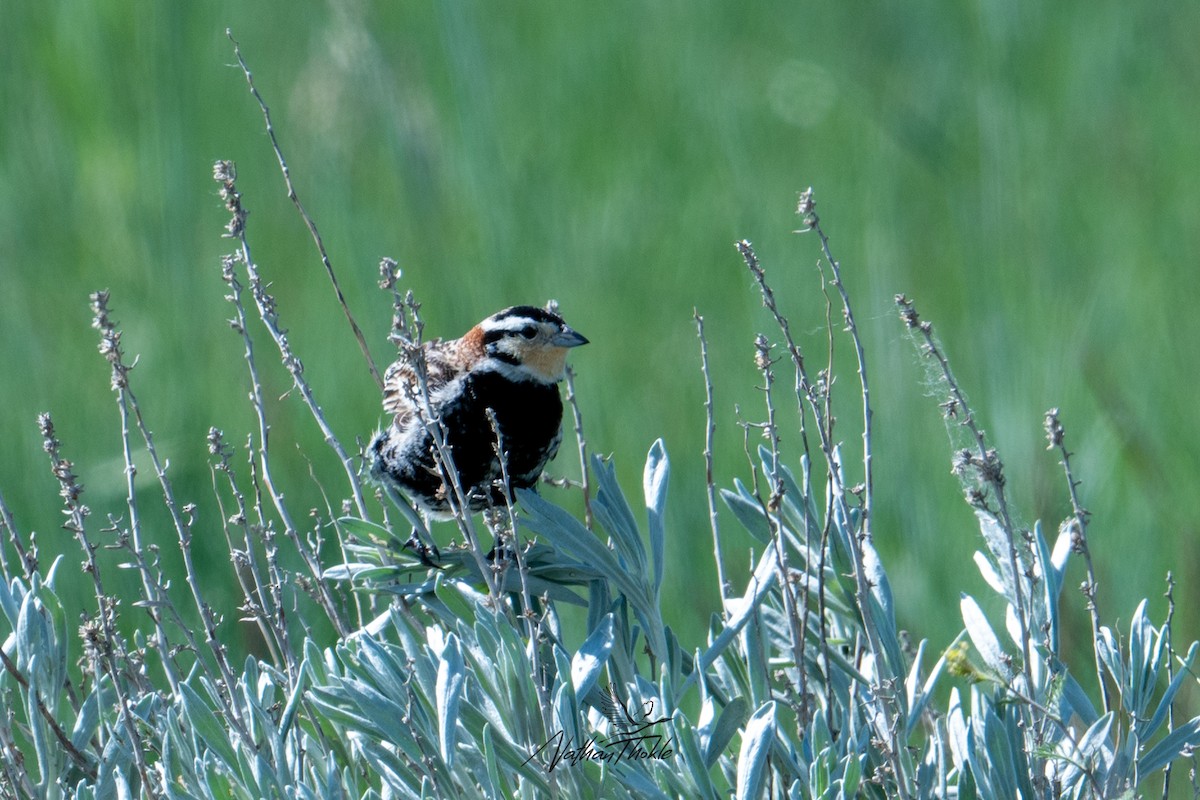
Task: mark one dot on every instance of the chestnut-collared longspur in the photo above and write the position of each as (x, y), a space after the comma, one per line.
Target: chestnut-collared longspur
(509, 363)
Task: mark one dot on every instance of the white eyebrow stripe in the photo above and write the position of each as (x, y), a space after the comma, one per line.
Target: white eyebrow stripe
(510, 323)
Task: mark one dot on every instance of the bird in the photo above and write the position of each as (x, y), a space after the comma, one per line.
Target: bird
(508, 364)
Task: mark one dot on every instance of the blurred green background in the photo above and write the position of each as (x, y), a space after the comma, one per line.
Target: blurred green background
(1024, 171)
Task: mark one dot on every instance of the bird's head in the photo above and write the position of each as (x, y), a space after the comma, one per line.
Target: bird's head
(524, 343)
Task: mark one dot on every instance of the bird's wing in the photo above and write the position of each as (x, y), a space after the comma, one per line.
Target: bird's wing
(402, 391)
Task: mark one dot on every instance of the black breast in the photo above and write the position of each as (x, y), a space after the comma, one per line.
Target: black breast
(529, 416)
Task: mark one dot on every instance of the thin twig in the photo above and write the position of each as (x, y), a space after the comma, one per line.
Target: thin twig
(581, 445)
(796, 613)
(103, 642)
(1055, 435)
(225, 174)
(710, 429)
(28, 557)
(1166, 631)
(158, 600)
(259, 596)
(308, 221)
(806, 209)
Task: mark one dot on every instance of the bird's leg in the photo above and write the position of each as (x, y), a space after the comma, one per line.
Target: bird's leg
(423, 550)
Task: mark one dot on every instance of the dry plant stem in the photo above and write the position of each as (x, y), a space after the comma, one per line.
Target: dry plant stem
(110, 347)
(109, 649)
(150, 585)
(581, 444)
(862, 585)
(1055, 435)
(710, 485)
(797, 614)
(824, 388)
(270, 540)
(263, 469)
(258, 599)
(28, 557)
(225, 174)
(827, 521)
(1170, 595)
(989, 472)
(308, 221)
(806, 210)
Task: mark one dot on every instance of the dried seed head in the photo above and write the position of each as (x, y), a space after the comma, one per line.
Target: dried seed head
(762, 353)
(389, 274)
(1054, 429)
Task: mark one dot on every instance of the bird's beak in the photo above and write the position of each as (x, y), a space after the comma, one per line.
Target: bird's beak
(568, 338)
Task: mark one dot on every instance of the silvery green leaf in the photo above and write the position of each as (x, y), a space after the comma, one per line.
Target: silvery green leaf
(881, 587)
(615, 516)
(956, 729)
(739, 611)
(654, 486)
(566, 533)
(1090, 753)
(754, 655)
(689, 745)
(31, 633)
(1184, 672)
(207, 729)
(360, 571)
(1012, 624)
(920, 694)
(88, 720)
(1110, 655)
(1002, 757)
(1146, 648)
(998, 544)
(799, 512)
(1170, 747)
(989, 573)
(368, 531)
(983, 637)
(748, 512)
(592, 656)
(47, 754)
(731, 719)
(450, 681)
(11, 594)
(1063, 544)
(1074, 700)
(1051, 585)
(851, 775)
(885, 627)
(757, 739)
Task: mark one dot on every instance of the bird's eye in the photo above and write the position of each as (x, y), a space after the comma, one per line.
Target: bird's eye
(529, 331)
